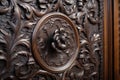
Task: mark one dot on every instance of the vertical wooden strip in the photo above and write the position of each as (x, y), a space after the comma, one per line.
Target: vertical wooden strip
(116, 41)
(119, 35)
(108, 42)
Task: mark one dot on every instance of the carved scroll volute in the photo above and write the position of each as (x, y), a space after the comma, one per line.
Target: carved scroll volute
(55, 42)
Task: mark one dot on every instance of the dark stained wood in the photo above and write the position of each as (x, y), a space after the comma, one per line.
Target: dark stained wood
(55, 39)
(52, 47)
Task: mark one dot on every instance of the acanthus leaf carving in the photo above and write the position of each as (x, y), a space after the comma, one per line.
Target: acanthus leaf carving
(18, 22)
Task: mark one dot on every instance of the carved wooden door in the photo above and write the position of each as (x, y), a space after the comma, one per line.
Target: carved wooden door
(51, 39)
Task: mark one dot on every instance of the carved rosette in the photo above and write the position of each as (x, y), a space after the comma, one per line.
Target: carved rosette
(55, 42)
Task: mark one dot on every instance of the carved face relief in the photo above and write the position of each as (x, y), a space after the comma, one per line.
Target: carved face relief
(52, 40)
(47, 5)
(68, 6)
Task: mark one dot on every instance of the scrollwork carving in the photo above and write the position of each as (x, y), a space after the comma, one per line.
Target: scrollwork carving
(46, 6)
(56, 39)
(4, 6)
(43, 75)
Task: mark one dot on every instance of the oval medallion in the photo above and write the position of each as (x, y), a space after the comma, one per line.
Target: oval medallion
(55, 42)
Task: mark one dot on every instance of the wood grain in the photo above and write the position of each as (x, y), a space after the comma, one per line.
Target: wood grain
(116, 40)
(108, 40)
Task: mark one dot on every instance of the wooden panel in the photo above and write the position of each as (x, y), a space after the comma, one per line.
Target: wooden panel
(52, 39)
(117, 39)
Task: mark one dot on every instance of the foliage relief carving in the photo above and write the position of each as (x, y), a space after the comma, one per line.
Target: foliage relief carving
(18, 19)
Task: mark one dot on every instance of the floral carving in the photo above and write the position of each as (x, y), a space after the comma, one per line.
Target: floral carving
(53, 43)
(56, 40)
(46, 6)
(60, 40)
(43, 75)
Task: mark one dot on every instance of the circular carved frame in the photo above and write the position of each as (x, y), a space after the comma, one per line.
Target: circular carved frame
(58, 42)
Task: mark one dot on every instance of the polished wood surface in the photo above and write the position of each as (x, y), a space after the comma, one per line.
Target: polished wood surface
(116, 40)
(108, 40)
